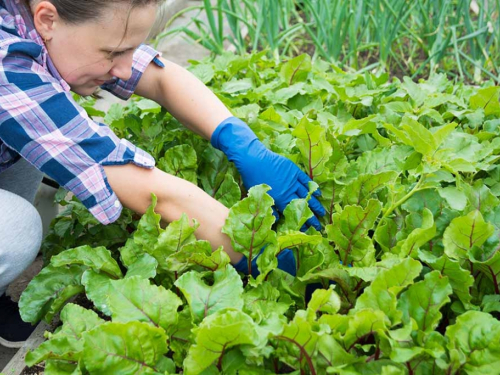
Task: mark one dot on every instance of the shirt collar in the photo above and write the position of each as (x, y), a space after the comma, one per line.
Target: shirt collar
(26, 28)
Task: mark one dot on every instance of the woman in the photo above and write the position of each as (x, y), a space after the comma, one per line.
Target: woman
(50, 48)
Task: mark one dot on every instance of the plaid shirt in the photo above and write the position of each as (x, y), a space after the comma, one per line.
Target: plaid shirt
(40, 121)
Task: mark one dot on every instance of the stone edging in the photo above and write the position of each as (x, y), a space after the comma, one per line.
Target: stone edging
(17, 364)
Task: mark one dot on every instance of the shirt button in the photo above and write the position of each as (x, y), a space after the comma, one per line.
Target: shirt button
(117, 204)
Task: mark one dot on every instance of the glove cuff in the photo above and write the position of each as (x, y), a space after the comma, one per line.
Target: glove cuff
(233, 137)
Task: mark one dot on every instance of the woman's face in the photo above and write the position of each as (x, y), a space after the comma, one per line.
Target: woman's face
(89, 54)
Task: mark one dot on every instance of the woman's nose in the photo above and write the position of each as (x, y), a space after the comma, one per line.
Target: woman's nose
(122, 69)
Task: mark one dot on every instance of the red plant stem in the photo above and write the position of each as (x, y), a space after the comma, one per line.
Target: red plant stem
(303, 353)
(410, 370)
(275, 363)
(250, 251)
(495, 281)
(267, 276)
(219, 363)
(310, 156)
(177, 290)
(358, 285)
(374, 356)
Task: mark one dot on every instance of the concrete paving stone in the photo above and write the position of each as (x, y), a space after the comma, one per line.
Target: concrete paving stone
(6, 355)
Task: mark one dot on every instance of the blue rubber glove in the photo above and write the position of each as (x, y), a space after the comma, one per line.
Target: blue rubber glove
(258, 165)
(286, 262)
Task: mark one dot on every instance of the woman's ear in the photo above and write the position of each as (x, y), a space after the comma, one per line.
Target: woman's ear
(46, 19)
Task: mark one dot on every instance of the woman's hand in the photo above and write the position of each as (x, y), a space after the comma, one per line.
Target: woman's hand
(258, 165)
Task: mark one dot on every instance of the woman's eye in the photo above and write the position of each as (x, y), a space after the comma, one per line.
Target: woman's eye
(112, 55)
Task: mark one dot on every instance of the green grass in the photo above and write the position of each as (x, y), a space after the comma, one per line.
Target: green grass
(414, 38)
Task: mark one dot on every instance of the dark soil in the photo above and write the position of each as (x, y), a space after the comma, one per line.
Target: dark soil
(35, 370)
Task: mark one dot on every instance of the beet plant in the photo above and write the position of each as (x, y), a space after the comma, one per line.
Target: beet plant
(404, 277)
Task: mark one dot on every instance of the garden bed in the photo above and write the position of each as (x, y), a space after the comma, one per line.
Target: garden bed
(17, 365)
(411, 184)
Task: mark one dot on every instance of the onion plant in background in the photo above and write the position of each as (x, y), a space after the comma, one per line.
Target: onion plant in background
(273, 28)
(415, 38)
(344, 30)
(460, 37)
(412, 38)
(248, 25)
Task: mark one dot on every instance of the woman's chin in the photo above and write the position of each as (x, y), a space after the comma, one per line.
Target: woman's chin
(84, 90)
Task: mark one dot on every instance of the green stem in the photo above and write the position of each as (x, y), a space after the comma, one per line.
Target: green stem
(391, 209)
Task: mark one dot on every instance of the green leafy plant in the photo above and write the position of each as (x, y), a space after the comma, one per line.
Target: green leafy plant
(403, 279)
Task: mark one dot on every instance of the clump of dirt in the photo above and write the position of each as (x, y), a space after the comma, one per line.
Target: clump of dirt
(35, 370)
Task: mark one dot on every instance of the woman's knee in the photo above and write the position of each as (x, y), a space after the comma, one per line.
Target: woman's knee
(20, 235)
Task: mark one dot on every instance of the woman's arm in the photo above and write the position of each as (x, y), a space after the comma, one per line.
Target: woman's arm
(133, 186)
(184, 96)
(197, 108)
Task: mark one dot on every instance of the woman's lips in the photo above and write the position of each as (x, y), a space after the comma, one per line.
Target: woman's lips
(109, 81)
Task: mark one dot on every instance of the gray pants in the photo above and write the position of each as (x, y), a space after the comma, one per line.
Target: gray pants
(20, 223)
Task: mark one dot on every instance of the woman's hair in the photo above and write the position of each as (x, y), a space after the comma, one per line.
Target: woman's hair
(79, 11)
